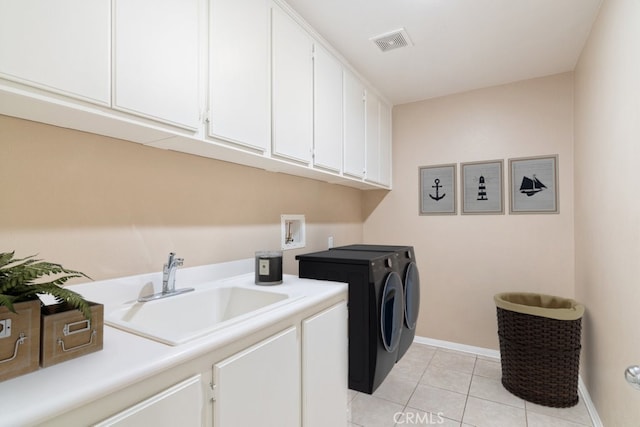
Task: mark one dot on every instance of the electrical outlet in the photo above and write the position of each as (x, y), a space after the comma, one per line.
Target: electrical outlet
(5, 328)
(330, 242)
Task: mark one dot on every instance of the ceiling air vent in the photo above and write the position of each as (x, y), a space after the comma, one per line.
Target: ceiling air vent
(392, 40)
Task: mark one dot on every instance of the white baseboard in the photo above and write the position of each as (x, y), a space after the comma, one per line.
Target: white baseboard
(595, 418)
(486, 352)
(480, 351)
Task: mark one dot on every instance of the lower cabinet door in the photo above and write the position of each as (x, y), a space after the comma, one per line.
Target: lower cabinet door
(260, 386)
(179, 405)
(325, 368)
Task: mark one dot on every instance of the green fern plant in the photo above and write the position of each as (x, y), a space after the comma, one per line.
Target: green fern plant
(21, 280)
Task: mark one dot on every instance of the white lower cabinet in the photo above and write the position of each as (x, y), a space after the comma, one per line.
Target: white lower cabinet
(292, 374)
(261, 385)
(324, 368)
(180, 405)
(283, 381)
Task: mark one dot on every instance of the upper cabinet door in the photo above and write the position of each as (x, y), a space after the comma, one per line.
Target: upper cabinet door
(385, 144)
(372, 137)
(354, 126)
(61, 46)
(292, 81)
(156, 59)
(239, 72)
(378, 140)
(327, 95)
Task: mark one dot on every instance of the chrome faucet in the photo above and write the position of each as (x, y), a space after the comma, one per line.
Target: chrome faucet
(168, 280)
(169, 273)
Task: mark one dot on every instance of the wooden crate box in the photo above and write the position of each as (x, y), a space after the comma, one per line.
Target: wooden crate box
(19, 339)
(66, 334)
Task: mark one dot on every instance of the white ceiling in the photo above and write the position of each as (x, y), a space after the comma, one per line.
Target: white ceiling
(458, 45)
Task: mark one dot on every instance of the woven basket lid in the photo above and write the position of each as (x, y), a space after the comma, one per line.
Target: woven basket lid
(542, 305)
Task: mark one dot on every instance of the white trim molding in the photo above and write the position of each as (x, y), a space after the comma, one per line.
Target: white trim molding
(479, 351)
(586, 397)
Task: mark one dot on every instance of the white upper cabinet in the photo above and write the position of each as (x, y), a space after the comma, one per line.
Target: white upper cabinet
(378, 140)
(239, 83)
(61, 46)
(327, 111)
(292, 83)
(372, 137)
(156, 52)
(354, 126)
(385, 144)
(244, 81)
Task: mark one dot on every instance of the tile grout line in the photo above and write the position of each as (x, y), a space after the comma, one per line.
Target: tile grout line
(594, 419)
(406, 405)
(477, 358)
(466, 400)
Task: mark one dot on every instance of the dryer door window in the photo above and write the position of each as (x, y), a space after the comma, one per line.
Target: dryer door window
(411, 295)
(391, 312)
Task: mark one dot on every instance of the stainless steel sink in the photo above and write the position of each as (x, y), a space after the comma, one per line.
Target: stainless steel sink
(178, 319)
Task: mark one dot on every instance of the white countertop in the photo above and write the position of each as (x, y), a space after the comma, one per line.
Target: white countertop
(128, 358)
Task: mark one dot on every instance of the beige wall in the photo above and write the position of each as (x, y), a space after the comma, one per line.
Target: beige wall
(112, 208)
(607, 220)
(465, 259)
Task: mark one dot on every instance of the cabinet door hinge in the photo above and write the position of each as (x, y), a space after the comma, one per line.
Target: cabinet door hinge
(212, 392)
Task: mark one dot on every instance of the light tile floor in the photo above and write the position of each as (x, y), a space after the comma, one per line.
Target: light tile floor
(434, 386)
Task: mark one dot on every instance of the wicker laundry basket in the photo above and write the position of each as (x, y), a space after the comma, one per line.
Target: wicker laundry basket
(540, 347)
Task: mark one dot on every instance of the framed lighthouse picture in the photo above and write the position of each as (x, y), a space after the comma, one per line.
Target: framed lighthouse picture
(438, 190)
(482, 187)
(534, 185)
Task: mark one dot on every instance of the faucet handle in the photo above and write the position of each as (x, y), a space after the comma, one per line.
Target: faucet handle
(173, 260)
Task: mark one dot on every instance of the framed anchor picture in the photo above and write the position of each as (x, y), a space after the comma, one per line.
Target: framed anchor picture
(534, 185)
(438, 190)
(482, 187)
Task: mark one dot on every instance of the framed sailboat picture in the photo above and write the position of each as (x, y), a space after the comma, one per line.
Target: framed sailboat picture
(438, 190)
(482, 187)
(534, 185)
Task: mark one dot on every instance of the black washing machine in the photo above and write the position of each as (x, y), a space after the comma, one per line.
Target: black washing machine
(405, 265)
(376, 309)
